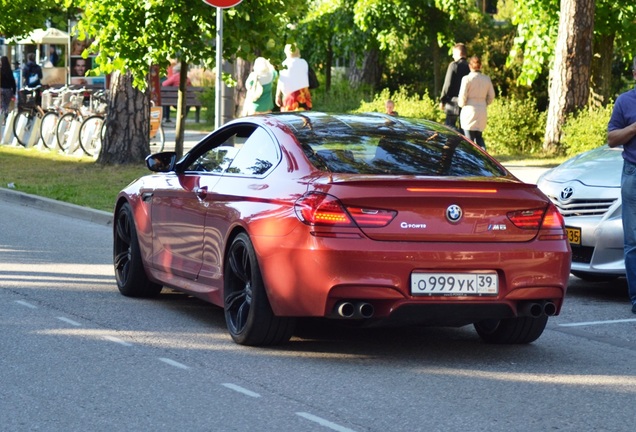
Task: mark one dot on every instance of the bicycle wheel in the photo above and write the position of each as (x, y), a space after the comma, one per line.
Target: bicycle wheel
(158, 141)
(63, 130)
(90, 135)
(23, 127)
(48, 129)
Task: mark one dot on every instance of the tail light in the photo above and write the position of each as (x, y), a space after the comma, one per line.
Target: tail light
(326, 210)
(544, 219)
(527, 219)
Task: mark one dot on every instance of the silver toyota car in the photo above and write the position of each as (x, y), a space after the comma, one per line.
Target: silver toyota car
(586, 190)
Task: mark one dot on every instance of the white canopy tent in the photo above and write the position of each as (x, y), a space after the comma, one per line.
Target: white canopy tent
(47, 36)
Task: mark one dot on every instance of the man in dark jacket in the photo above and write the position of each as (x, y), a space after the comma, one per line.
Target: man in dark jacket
(32, 76)
(31, 72)
(454, 74)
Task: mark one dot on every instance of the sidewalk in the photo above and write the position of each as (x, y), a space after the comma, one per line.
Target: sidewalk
(191, 137)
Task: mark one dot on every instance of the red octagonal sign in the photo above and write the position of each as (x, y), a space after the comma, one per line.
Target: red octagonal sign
(222, 3)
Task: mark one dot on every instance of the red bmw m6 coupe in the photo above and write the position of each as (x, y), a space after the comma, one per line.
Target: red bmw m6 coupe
(366, 218)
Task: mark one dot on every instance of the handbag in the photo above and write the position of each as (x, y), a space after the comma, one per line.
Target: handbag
(452, 107)
(313, 79)
(255, 90)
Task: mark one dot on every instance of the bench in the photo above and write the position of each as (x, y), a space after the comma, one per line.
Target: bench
(170, 96)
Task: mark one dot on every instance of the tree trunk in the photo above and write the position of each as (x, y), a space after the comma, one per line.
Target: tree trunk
(601, 90)
(437, 70)
(126, 140)
(328, 65)
(569, 86)
(241, 72)
(369, 72)
(181, 109)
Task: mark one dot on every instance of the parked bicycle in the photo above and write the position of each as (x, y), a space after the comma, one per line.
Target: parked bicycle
(28, 115)
(52, 104)
(93, 131)
(69, 123)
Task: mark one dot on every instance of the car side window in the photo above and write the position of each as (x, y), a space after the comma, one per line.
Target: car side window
(256, 156)
(218, 151)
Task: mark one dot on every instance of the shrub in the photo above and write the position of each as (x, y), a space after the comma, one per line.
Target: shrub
(342, 97)
(208, 99)
(406, 105)
(585, 130)
(515, 127)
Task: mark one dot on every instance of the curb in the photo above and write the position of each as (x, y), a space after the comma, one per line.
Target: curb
(59, 207)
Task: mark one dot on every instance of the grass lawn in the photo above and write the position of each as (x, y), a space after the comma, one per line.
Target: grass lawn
(64, 178)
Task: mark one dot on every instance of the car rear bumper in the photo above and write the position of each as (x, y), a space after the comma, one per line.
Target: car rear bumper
(330, 271)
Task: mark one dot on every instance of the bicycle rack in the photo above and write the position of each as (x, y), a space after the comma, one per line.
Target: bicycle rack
(7, 136)
(73, 143)
(35, 133)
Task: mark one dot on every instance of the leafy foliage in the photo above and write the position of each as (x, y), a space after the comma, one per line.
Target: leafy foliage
(515, 127)
(181, 29)
(586, 130)
(407, 105)
(21, 17)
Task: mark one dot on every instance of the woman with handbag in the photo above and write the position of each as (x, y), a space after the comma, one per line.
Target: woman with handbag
(259, 85)
(292, 93)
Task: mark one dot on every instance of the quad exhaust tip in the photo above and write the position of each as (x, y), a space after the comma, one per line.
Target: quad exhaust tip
(537, 309)
(354, 310)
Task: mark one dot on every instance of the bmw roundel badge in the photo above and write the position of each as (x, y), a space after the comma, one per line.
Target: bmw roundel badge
(454, 213)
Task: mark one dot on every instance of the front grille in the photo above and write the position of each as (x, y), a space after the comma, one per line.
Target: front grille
(582, 254)
(581, 207)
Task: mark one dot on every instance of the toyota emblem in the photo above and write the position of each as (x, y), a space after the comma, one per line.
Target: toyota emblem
(566, 193)
(454, 213)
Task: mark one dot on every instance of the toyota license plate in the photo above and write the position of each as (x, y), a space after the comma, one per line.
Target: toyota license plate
(454, 284)
(574, 235)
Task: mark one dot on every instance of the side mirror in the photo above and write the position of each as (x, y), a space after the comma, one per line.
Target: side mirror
(161, 162)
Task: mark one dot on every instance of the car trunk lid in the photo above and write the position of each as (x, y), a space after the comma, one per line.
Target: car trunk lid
(440, 209)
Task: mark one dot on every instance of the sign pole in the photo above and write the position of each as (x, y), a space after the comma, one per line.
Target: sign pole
(219, 68)
(218, 97)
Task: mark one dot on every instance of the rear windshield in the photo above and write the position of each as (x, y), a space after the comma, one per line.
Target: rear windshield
(392, 147)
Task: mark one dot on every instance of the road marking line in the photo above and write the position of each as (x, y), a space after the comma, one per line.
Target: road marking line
(598, 322)
(27, 304)
(173, 363)
(324, 422)
(241, 390)
(117, 340)
(69, 321)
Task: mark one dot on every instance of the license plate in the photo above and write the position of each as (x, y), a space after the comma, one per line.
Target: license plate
(574, 235)
(454, 284)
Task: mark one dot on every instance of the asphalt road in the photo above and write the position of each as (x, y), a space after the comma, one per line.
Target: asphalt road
(75, 356)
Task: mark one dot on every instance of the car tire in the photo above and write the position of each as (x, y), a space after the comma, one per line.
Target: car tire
(595, 277)
(131, 277)
(248, 314)
(520, 330)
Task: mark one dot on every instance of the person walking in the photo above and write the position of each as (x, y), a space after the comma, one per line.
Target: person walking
(7, 88)
(475, 94)
(621, 130)
(259, 84)
(456, 70)
(292, 92)
(31, 72)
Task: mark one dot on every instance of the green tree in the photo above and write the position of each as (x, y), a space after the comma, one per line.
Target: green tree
(569, 88)
(21, 17)
(130, 35)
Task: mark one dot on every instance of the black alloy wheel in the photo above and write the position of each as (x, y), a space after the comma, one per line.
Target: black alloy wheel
(130, 274)
(248, 314)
